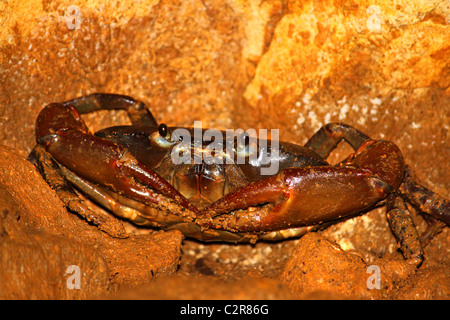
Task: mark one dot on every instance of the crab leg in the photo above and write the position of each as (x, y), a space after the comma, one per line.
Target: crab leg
(64, 135)
(327, 138)
(137, 112)
(426, 200)
(404, 230)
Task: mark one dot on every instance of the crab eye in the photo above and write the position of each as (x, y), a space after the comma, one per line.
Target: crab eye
(163, 130)
(162, 137)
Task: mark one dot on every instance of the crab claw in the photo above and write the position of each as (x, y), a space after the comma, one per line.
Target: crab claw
(307, 196)
(100, 161)
(294, 198)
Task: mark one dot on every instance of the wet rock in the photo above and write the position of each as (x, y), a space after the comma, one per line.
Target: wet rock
(318, 265)
(43, 266)
(431, 283)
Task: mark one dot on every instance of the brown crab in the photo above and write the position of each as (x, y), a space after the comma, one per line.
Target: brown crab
(130, 171)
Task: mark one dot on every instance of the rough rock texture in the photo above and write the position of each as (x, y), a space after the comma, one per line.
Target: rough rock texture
(285, 65)
(40, 240)
(318, 265)
(206, 288)
(40, 267)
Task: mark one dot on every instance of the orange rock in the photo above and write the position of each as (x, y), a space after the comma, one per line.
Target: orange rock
(318, 265)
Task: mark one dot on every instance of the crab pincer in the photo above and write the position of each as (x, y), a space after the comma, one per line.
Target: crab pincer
(64, 135)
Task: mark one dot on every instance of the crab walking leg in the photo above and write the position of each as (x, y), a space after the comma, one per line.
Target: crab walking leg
(99, 160)
(138, 113)
(428, 201)
(327, 138)
(294, 198)
(404, 230)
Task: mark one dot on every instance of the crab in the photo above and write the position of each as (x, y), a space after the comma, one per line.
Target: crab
(129, 170)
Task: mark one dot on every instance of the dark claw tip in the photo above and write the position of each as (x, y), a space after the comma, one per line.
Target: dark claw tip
(48, 139)
(380, 187)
